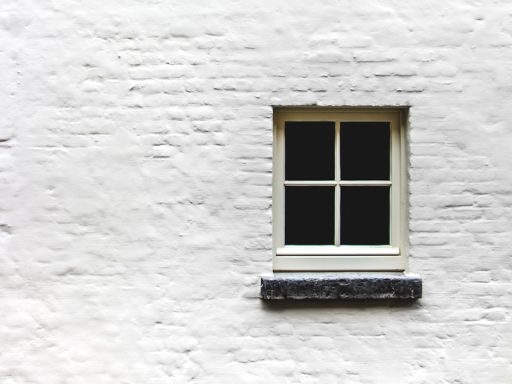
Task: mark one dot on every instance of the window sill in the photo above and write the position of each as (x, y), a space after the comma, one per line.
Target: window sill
(340, 286)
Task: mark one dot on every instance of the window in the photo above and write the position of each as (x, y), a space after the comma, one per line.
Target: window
(339, 189)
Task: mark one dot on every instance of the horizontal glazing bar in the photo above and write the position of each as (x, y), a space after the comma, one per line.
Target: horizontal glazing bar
(362, 183)
(310, 182)
(358, 183)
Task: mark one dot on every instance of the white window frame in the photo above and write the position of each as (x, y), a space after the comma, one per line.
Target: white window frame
(391, 257)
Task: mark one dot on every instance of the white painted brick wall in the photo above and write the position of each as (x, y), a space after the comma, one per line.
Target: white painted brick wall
(135, 170)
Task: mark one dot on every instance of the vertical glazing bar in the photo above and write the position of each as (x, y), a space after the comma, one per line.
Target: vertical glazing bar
(337, 192)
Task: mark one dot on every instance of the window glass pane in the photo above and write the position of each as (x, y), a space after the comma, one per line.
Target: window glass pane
(309, 215)
(365, 150)
(364, 213)
(309, 150)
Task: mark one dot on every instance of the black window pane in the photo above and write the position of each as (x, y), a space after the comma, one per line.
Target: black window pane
(309, 150)
(365, 150)
(364, 213)
(309, 215)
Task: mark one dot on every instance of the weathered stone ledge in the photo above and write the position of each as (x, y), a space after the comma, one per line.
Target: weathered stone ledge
(343, 285)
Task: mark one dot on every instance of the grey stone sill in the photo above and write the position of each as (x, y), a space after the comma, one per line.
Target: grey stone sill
(340, 285)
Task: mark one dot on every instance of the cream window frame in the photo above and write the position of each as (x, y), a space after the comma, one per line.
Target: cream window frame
(391, 257)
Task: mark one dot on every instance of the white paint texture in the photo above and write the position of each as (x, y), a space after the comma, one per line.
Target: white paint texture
(135, 169)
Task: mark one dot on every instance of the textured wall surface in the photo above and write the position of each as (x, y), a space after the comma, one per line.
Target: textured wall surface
(135, 170)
